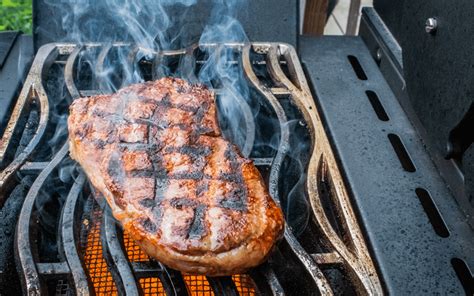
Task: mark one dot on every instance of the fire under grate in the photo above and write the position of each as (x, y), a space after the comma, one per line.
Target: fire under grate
(67, 242)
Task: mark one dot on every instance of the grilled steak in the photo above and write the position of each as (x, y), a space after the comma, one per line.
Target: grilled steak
(185, 194)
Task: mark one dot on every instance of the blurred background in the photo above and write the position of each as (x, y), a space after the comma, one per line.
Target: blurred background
(15, 15)
(329, 17)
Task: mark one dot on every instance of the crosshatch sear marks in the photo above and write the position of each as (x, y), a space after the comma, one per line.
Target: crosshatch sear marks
(148, 154)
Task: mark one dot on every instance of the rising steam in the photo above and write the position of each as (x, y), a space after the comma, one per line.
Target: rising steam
(224, 27)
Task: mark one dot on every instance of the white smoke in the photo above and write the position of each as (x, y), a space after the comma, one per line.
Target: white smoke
(154, 26)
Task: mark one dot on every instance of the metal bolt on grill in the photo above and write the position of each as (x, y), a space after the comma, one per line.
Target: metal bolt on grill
(90, 252)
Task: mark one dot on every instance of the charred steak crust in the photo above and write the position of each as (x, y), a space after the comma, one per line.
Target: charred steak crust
(184, 193)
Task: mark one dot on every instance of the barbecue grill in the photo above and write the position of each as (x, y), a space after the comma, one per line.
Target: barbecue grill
(369, 213)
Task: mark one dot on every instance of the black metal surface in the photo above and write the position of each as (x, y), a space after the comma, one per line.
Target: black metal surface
(7, 40)
(390, 11)
(461, 136)
(386, 51)
(439, 74)
(379, 39)
(468, 161)
(411, 257)
(254, 15)
(16, 53)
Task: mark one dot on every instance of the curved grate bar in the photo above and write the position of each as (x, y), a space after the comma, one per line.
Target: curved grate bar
(29, 273)
(267, 274)
(278, 109)
(357, 258)
(290, 239)
(68, 241)
(189, 64)
(69, 73)
(155, 73)
(118, 263)
(244, 107)
(308, 262)
(249, 124)
(161, 55)
(131, 62)
(99, 68)
(33, 88)
(173, 282)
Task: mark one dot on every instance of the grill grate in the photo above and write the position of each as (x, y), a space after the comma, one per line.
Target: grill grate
(62, 288)
(278, 83)
(134, 252)
(198, 285)
(244, 284)
(151, 286)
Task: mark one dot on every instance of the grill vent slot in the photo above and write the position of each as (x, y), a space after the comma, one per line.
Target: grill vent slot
(377, 105)
(464, 275)
(359, 71)
(432, 211)
(402, 153)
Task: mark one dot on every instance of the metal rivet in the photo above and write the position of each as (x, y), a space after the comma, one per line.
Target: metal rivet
(378, 55)
(431, 25)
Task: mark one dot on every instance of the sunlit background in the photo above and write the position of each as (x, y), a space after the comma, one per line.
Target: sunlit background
(16, 15)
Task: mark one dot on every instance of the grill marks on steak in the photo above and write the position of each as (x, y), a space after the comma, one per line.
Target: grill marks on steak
(183, 192)
(181, 178)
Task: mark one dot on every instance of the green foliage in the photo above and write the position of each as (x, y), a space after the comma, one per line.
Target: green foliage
(16, 15)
